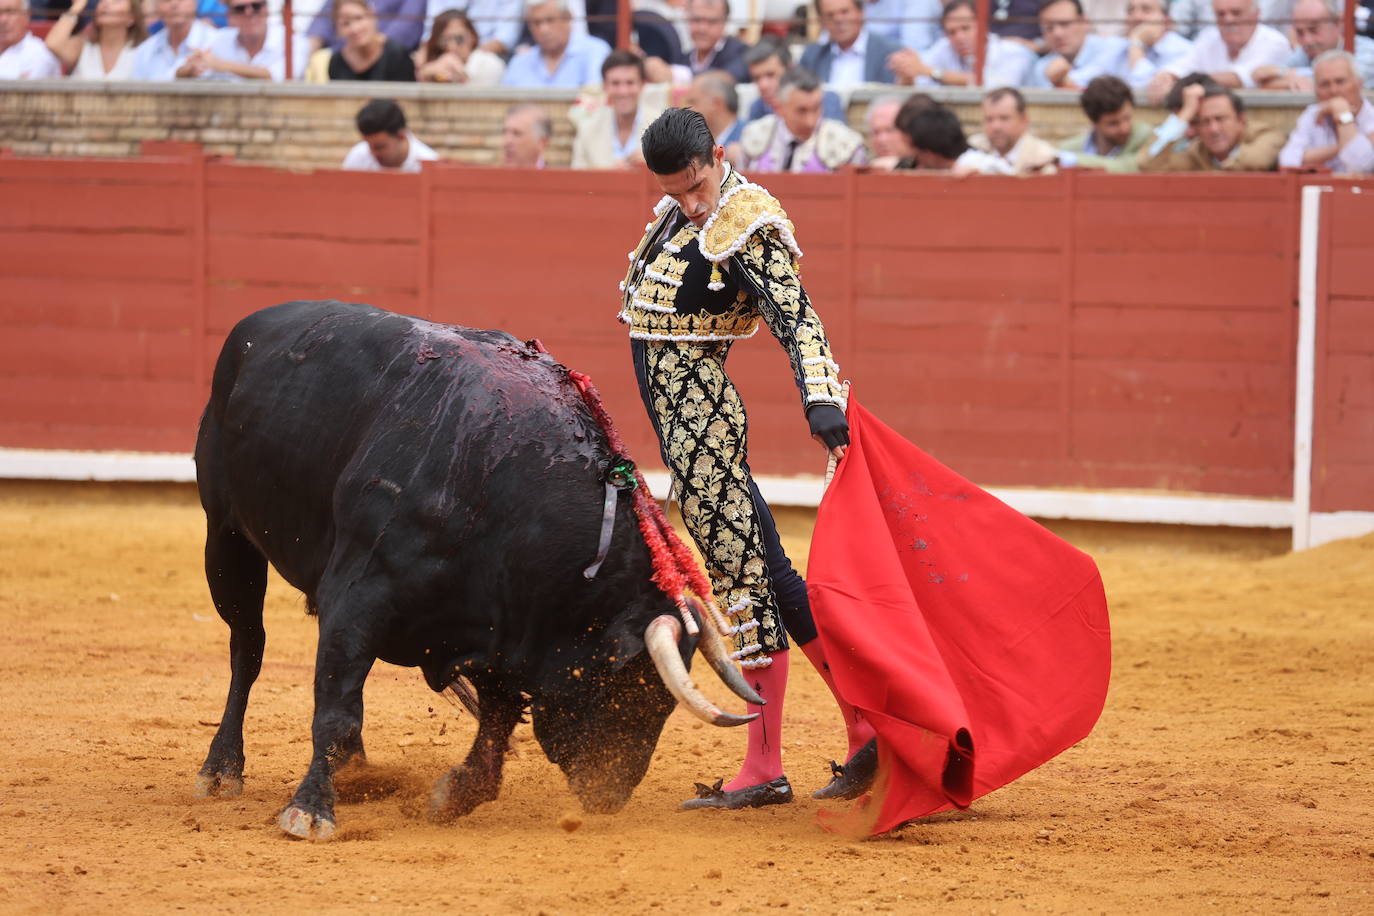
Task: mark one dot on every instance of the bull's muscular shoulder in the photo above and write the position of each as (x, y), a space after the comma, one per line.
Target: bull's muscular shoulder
(744, 210)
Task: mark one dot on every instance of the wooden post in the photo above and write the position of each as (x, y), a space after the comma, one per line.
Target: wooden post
(624, 15)
(981, 53)
(1348, 28)
(290, 40)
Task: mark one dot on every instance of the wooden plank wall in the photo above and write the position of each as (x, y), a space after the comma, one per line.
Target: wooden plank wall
(1343, 448)
(1075, 330)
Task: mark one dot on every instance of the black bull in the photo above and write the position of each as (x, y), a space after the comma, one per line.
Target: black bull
(436, 492)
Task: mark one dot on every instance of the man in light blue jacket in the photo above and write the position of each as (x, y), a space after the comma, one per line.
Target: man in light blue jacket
(1076, 53)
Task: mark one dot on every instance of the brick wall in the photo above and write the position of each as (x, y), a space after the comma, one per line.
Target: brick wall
(311, 126)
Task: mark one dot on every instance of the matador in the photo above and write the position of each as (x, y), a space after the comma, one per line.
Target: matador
(718, 257)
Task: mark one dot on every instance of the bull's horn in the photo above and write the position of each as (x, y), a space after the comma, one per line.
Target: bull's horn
(710, 645)
(660, 638)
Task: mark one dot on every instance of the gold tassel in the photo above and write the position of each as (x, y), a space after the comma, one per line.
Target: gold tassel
(717, 281)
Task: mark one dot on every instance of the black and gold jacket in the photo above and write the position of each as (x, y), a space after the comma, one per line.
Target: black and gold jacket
(676, 289)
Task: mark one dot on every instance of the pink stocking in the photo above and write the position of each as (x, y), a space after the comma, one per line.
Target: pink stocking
(856, 726)
(763, 761)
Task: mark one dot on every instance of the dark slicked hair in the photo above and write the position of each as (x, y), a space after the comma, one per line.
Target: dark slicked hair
(623, 58)
(937, 130)
(1105, 95)
(953, 5)
(678, 139)
(915, 103)
(381, 116)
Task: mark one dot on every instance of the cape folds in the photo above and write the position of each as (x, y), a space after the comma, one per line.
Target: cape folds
(975, 641)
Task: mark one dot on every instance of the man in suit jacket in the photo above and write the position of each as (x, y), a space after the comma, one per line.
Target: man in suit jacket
(1115, 136)
(852, 54)
(711, 48)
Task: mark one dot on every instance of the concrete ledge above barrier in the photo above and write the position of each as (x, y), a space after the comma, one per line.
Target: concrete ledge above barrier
(305, 125)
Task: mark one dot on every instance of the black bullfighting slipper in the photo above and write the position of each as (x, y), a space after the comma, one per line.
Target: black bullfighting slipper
(775, 792)
(855, 777)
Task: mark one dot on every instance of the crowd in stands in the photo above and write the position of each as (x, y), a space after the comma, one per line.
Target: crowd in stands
(1188, 55)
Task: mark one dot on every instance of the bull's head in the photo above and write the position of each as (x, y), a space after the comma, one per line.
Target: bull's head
(601, 727)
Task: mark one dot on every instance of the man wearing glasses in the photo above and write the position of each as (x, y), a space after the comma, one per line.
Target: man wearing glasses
(251, 48)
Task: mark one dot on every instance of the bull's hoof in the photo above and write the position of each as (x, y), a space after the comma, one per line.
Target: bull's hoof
(457, 795)
(223, 785)
(298, 822)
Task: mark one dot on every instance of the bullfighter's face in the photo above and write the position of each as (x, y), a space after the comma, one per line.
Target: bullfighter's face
(697, 187)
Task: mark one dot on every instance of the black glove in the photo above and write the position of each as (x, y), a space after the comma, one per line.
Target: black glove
(828, 422)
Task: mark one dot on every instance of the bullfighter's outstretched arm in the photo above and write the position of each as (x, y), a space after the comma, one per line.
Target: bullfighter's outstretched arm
(767, 267)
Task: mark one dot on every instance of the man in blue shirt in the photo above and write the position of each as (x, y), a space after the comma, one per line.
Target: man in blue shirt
(1076, 54)
(559, 57)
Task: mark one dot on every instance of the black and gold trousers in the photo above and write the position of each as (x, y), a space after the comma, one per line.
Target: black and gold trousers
(703, 436)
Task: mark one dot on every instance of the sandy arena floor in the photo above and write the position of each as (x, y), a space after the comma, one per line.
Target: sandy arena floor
(1229, 770)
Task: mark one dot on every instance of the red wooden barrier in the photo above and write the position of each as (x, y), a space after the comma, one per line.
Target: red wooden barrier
(1079, 330)
(1343, 444)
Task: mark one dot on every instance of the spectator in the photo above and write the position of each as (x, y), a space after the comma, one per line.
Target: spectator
(387, 145)
(525, 136)
(1076, 54)
(950, 61)
(403, 21)
(1229, 51)
(559, 57)
(608, 137)
(1115, 136)
(1006, 134)
(913, 24)
(163, 56)
(711, 48)
(1193, 17)
(452, 54)
(1153, 42)
(23, 56)
(1223, 140)
(798, 138)
(1317, 27)
(852, 55)
(367, 53)
(107, 51)
(938, 141)
(713, 94)
(498, 22)
(249, 49)
(886, 142)
(767, 62)
(1336, 133)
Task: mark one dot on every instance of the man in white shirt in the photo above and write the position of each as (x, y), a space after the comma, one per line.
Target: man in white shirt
(950, 61)
(1229, 52)
(1153, 42)
(23, 56)
(162, 56)
(1336, 133)
(608, 136)
(387, 146)
(250, 48)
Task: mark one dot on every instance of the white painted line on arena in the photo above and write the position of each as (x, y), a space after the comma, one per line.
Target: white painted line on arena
(45, 464)
(1304, 400)
(1106, 506)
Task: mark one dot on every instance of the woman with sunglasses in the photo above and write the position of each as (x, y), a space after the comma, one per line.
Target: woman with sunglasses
(106, 52)
(367, 54)
(451, 55)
